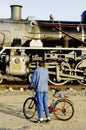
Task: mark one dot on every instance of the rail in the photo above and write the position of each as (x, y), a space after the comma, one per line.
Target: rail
(25, 86)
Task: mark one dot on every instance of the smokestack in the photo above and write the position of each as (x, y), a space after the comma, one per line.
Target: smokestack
(16, 12)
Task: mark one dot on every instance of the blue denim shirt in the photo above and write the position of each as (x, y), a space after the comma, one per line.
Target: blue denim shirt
(40, 79)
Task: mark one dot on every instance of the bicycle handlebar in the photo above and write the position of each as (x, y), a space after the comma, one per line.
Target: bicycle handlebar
(60, 95)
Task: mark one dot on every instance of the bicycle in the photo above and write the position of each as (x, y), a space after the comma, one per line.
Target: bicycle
(62, 108)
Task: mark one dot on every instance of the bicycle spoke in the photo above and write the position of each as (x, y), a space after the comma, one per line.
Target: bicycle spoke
(64, 109)
(29, 108)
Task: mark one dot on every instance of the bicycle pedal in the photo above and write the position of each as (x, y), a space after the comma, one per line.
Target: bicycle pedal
(54, 110)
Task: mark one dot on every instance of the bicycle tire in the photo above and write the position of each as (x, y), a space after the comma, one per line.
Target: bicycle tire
(63, 113)
(29, 107)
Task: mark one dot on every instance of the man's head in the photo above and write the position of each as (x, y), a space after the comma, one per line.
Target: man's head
(41, 63)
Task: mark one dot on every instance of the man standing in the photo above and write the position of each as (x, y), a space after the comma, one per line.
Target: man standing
(40, 79)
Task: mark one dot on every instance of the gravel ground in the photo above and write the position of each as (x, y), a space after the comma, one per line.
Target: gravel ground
(12, 118)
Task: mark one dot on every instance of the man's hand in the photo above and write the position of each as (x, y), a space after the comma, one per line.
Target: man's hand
(30, 87)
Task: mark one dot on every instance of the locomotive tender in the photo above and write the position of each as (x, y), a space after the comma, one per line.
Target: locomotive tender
(24, 42)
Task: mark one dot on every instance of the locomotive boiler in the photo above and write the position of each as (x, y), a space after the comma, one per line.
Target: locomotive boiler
(24, 42)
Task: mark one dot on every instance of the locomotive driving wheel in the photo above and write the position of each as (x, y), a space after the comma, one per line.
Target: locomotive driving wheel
(80, 70)
(58, 73)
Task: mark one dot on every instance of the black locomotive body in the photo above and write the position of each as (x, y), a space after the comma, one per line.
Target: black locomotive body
(24, 42)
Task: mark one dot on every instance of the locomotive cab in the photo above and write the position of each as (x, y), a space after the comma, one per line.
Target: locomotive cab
(83, 17)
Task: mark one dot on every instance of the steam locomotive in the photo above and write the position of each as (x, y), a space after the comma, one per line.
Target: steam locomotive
(24, 42)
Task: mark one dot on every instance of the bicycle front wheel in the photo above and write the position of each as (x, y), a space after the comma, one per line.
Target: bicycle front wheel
(29, 107)
(64, 109)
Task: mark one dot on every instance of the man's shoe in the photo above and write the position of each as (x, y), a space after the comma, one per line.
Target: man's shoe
(39, 121)
(48, 120)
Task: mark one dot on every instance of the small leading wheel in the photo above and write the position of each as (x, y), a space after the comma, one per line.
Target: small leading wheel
(64, 109)
(29, 108)
(30, 77)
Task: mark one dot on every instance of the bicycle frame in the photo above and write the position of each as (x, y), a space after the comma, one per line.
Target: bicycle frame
(62, 108)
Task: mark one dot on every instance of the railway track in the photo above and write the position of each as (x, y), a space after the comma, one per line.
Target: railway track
(25, 86)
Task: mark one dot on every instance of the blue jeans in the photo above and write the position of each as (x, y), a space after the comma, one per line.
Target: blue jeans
(42, 99)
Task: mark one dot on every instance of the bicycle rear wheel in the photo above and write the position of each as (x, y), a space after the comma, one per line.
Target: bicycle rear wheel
(29, 107)
(64, 110)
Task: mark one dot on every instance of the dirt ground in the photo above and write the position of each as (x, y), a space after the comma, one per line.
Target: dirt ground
(12, 118)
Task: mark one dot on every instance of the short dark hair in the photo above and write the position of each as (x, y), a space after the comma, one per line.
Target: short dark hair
(41, 63)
